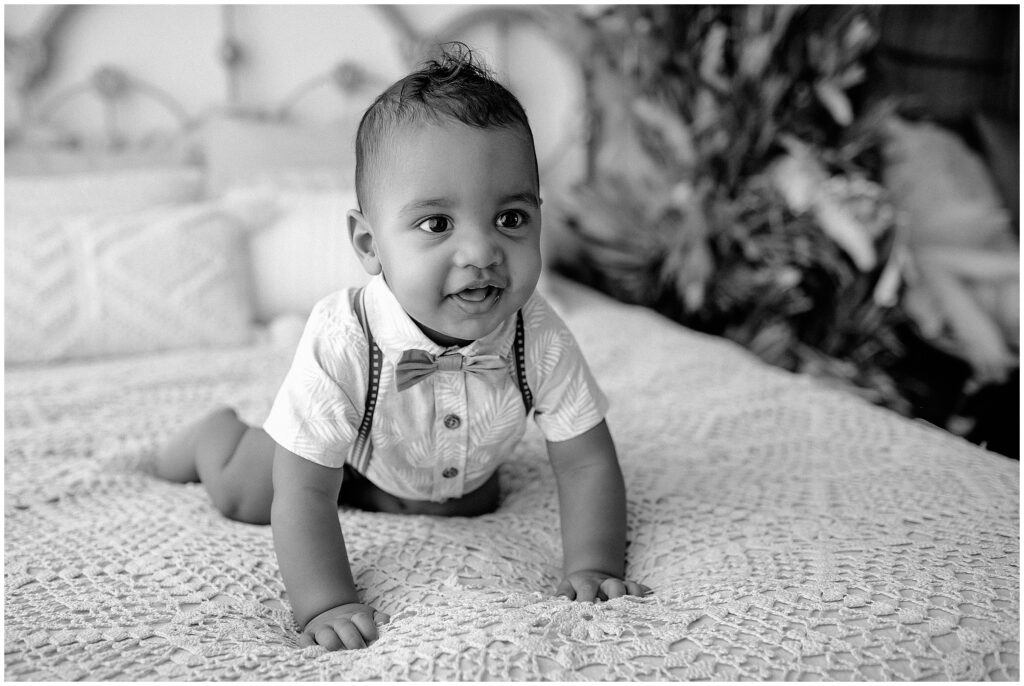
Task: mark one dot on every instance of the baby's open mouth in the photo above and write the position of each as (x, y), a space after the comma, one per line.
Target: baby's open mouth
(477, 295)
(478, 299)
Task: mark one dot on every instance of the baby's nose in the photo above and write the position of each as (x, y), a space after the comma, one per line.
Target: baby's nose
(478, 247)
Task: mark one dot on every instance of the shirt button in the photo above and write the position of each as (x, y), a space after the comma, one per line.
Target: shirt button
(452, 421)
(450, 473)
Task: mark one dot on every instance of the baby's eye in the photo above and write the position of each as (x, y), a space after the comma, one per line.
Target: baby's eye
(512, 219)
(434, 224)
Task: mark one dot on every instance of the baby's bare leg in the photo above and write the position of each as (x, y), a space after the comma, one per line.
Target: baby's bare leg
(232, 459)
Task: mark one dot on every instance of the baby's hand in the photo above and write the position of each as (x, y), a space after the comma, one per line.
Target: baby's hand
(346, 626)
(588, 585)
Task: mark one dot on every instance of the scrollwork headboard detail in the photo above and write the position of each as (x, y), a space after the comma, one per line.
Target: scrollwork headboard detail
(30, 59)
(31, 56)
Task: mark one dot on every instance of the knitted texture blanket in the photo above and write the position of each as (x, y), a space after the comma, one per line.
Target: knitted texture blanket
(789, 531)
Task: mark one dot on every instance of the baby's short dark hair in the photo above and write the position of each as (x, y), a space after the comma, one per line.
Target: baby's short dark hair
(453, 86)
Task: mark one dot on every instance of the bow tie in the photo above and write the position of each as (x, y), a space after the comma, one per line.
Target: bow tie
(416, 365)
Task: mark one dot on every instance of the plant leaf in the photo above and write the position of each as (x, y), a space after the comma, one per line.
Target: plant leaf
(835, 101)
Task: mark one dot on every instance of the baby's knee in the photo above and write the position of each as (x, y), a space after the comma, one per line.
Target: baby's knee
(237, 504)
(242, 494)
(218, 437)
(235, 465)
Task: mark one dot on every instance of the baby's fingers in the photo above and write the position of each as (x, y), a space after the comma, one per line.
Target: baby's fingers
(328, 637)
(349, 634)
(366, 626)
(633, 588)
(565, 589)
(613, 588)
(586, 590)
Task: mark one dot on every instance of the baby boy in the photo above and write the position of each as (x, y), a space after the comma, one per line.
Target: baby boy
(406, 395)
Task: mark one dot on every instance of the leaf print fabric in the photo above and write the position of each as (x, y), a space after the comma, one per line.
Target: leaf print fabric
(498, 418)
(446, 435)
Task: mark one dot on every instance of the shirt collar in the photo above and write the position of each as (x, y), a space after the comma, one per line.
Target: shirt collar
(395, 331)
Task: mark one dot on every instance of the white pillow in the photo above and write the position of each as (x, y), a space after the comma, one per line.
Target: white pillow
(111, 284)
(303, 253)
(243, 152)
(51, 155)
(95, 192)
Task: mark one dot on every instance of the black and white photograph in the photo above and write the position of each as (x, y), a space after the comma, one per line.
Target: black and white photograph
(511, 342)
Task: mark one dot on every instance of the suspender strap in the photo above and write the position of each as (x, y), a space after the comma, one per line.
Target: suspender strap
(362, 450)
(519, 352)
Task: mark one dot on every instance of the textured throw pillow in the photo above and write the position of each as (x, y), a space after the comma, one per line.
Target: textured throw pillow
(167, 277)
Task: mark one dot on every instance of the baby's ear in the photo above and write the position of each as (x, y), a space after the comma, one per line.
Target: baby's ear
(360, 233)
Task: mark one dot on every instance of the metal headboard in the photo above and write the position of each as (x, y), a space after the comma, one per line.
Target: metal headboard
(113, 86)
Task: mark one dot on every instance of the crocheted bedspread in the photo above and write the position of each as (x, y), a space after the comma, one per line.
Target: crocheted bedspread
(789, 531)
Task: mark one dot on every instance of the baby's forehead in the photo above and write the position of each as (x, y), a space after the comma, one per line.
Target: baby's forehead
(403, 140)
(424, 128)
(407, 145)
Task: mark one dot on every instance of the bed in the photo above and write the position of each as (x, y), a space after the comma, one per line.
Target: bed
(788, 530)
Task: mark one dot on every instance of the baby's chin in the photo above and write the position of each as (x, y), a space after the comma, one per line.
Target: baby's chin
(461, 335)
(446, 336)
(461, 330)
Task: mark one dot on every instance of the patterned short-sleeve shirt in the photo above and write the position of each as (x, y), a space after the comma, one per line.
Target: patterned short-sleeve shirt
(444, 436)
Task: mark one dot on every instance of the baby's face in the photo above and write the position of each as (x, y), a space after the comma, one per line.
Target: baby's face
(456, 223)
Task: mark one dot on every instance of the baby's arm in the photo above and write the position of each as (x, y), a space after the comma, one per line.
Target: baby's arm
(592, 501)
(311, 553)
